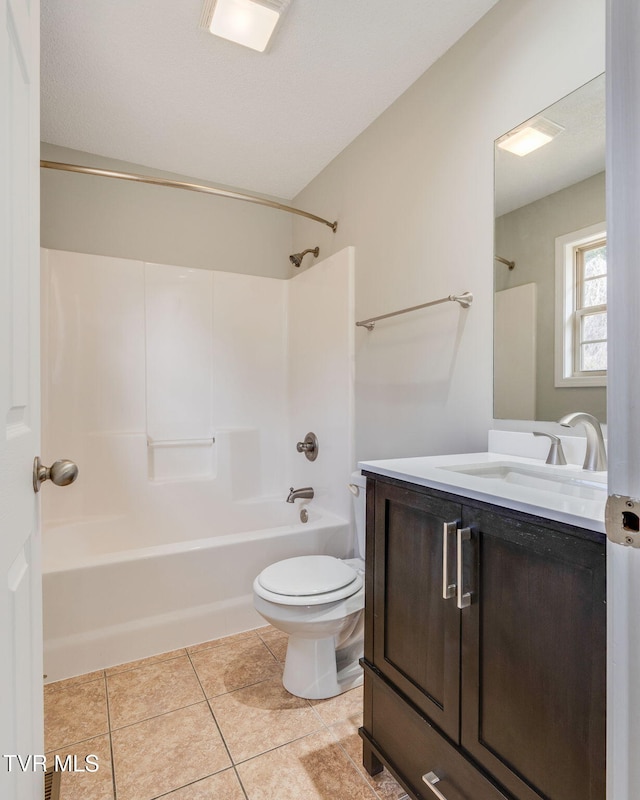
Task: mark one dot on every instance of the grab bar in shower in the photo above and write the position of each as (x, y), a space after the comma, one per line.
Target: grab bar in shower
(465, 299)
(179, 442)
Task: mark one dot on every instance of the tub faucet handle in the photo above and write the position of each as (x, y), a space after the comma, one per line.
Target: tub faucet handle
(309, 446)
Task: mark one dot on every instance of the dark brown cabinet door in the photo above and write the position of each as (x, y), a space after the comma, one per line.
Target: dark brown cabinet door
(533, 659)
(416, 632)
(413, 747)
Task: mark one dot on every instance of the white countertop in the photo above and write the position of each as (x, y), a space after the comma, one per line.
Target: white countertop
(431, 471)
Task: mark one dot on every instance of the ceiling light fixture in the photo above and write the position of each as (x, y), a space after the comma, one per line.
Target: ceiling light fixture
(529, 137)
(247, 22)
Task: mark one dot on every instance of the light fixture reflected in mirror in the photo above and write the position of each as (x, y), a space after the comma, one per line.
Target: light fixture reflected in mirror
(529, 137)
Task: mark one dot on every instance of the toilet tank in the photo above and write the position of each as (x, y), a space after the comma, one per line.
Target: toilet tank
(358, 488)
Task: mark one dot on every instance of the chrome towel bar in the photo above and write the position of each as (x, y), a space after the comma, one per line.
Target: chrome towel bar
(179, 442)
(465, 299)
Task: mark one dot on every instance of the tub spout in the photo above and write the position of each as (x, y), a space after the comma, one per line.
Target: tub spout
(300, 494)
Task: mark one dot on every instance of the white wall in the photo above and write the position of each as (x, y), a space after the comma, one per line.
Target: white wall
(414, 194)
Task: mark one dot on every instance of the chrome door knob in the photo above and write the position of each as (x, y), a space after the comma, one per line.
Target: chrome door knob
(62, 473)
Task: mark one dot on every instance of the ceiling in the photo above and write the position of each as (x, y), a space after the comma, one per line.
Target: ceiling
(577, 153)
(137, 80)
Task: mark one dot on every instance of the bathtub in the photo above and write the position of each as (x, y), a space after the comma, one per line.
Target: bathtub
(120, 588)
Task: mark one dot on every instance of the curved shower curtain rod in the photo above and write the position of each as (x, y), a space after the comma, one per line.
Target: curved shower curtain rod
(192, 187)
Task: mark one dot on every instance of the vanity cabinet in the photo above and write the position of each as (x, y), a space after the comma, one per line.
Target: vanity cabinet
(485, 649)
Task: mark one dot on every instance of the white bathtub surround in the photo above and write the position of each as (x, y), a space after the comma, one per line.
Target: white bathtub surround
(179, 335)
(321, 378)
(185, 454)
(114, 332)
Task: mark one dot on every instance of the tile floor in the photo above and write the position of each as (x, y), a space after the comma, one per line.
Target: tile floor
(211, 722)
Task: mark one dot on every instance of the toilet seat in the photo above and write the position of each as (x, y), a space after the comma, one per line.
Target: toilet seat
(307, 580)
(306, 575)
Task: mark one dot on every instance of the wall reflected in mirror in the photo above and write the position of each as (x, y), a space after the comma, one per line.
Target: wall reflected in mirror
(550, 306)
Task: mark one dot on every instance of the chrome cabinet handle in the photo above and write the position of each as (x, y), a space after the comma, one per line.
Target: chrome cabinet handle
(464, 598)
(448, 584)
(431, 779)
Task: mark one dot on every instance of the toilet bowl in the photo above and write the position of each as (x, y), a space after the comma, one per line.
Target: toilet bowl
(319, 601)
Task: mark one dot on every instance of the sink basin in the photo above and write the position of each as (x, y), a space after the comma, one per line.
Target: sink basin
(543, 477)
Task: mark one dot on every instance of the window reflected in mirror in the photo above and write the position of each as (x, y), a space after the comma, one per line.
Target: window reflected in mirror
(550, 332)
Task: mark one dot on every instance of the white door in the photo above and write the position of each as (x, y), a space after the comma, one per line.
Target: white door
(623, 248)
(20, 570)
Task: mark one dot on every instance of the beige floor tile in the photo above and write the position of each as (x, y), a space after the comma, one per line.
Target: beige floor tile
(74, 714)
(276, 641)
(384, 784)
(236, 637)
(96, 785)
(159, 755)
(260, 717)
(232, 666)
(68, 682)
(347, 705)
(313, 768)
(142, 662)
(223, 786)
(152, 690)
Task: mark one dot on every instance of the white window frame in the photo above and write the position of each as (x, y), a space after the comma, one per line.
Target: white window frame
(565, 306)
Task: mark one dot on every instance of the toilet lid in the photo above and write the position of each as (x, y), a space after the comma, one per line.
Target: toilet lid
(307, 576)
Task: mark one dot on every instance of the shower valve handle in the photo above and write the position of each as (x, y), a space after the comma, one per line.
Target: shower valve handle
(309, 446)
(62, 473)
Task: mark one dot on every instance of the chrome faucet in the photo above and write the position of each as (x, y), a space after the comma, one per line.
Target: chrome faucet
(556, 453)
(300, 494)
(596, 456)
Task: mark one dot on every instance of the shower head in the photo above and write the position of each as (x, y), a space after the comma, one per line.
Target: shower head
(296, 258)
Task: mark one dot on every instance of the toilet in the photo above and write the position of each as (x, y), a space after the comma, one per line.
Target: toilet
(319, 602)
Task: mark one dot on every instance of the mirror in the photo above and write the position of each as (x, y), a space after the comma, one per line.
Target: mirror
(550, 262)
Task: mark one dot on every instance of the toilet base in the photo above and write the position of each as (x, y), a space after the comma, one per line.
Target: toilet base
(311, 669)
(326, 643)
